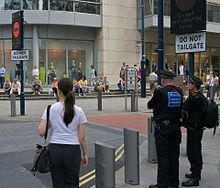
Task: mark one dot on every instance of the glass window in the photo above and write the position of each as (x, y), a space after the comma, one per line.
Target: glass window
(2, 4)
(28, 65)
(170, 58)
(148, 6)
(42, 60)
(11, 66)
(35, 5)
(1, 53)
(213, 13)
(83, 7)
(166, 7)
(56, 59)
(12, 4)
(80, 58)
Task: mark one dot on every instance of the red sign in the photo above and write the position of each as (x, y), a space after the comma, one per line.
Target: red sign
(16, 30)
(185, 5)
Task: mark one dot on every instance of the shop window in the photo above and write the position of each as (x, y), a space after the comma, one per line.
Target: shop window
(56, 60)
(28, 65)
(80, 58)
(42, 60)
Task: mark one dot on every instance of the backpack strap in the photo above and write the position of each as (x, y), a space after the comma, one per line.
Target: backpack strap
(47, 124)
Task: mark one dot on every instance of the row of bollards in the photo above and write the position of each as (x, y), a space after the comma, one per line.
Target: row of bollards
(105, 161)
(105, 158)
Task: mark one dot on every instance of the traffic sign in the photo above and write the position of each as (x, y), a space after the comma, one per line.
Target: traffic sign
(194, 42)
(17, 30)
(20, 55)
(131, 78)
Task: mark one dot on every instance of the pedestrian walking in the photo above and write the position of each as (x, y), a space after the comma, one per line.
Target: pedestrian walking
(194, 107)
(2, 75)
(153, 79)
(67, 135)
(166, 104)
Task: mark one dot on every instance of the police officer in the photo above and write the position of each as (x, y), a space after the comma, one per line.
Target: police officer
(194, 106)
(166, 104)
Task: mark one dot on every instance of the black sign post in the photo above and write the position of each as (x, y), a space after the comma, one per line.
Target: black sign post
(18, 44)
(188, 16)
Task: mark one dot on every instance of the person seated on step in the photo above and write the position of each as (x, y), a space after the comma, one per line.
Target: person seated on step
(7, 86)
(121, 84)
(36, 86)
(105, 83)
(99, 85)
(82, 86)
(15, 87)
(54, 86)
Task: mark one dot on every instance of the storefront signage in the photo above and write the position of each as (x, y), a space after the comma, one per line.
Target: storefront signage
(20, 55)
(195, 42)
(188, 16)
(131, 78)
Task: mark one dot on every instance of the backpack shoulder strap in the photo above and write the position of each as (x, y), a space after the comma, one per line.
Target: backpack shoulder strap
(47, 124)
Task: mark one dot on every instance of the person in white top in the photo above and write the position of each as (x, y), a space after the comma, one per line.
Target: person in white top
(35, 72)
(209, 84)
(153, 79)
(68, 133)
(181, 69)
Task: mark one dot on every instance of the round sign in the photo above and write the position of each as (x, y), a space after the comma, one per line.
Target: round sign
(185, 5)
(16, 29)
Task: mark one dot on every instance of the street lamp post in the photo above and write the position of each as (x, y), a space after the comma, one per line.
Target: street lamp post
(160, 39)
(143, 58)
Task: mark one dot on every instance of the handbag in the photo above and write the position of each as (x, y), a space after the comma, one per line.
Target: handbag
(41, 161)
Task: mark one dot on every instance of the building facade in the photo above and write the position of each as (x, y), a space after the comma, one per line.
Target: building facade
(204, 61)
(70, 35)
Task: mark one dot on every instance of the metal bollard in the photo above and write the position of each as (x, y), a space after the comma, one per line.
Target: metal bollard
(104, 165)
(152, 152)
(133, 109)
(131, 148)
(13, 105)
(99, 100)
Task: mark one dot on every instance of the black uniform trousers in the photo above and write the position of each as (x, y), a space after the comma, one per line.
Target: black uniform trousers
(194, 151)
(65, 165)
(168, 140)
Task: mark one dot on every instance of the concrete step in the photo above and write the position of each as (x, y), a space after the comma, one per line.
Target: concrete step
(45, 95)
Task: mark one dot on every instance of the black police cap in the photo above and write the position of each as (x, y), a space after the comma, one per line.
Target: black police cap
(195, 80)
(167, 74)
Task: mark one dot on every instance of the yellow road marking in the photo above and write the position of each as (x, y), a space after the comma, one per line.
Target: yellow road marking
(87, 180)
(119, 156)
(119, 149)
(82, 182)
(86, 175)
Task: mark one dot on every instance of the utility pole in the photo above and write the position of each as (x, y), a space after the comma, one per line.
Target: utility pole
(160, 39)
(143, 56)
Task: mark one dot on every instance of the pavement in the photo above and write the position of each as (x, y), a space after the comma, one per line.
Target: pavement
(114, 115)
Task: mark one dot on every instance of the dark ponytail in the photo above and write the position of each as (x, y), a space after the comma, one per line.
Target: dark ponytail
(66, 87)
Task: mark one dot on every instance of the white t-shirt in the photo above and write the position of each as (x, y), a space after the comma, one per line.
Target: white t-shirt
(35, 72)
(60, 133)
(181, 69)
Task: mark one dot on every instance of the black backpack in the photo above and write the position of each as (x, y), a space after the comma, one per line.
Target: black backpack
(210, 117)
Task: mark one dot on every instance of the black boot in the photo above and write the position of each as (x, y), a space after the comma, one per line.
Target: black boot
(190, 176)
(191, 182)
